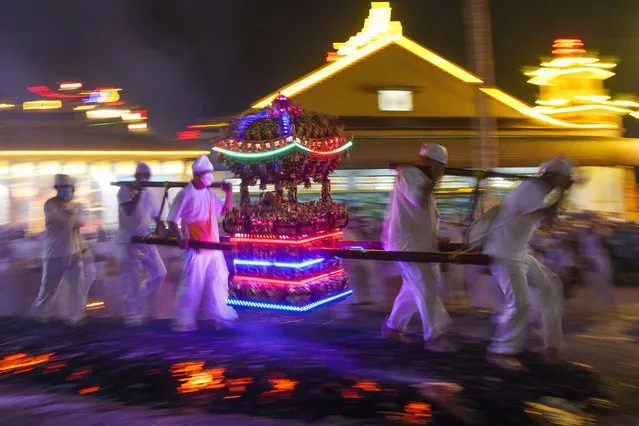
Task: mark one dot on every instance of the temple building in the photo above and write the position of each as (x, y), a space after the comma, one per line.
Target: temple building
(393, 94)
(91, 135)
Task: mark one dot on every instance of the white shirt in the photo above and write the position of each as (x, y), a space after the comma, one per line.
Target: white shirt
(62, 233)
(411, 221)
(517, 220)
(192, 205)
(140, 221)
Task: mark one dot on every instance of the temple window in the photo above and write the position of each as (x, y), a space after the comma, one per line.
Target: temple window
(395, 100)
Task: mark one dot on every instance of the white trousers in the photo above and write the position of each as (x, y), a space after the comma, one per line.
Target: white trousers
(420, 292)
(56, 272)
(143, 272)
(204, 286)
(521, 280)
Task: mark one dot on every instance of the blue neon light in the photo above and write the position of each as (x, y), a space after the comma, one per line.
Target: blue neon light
(278, 264)
(288, 308)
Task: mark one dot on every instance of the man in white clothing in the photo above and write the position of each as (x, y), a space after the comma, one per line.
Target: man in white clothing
(204, 282)
(411, 224)
(137, 212)
(518, 272)
(62, 257)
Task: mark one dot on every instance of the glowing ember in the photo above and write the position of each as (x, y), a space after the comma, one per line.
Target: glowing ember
(21, 362)
(367, 386)
(78, 374)
(281, 387)
(416, 413)
(89, 390)
(194, 377)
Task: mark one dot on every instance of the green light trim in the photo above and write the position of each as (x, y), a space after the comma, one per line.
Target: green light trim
(256, 155)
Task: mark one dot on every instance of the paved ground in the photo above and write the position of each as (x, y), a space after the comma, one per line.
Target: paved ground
(342, 374)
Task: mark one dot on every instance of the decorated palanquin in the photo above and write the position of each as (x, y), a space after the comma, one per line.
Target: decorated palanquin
(281, 147)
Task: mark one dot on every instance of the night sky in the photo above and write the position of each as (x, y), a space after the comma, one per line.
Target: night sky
(187, 60)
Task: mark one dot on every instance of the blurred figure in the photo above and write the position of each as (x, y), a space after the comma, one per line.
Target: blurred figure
(358, 270)
(411, 224)
(137, 212)
(518, 272)
(204, 281)
(62, 256)
(597, 268)
(455, 289)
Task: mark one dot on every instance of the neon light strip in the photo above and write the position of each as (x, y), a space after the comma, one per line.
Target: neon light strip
(289, 308)
(298, 265)
(254, 154)
(287, 282)
(102, 153)
(275, 152)
(335, 151)
(283, 240)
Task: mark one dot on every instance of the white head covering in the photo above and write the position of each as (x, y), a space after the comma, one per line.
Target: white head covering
(556, 165)
(434, 152)
(62, 180)
(202, 164)
(142, 168)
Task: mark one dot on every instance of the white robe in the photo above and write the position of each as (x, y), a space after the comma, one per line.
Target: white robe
(204, 282)
(411, 224)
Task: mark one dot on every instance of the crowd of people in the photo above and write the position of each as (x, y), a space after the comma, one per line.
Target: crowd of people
(534, 266)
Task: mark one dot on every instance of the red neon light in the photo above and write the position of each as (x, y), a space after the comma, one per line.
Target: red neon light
(44, 91)
(568, 46)
(189, 134)
(288, 282)
(282, 239)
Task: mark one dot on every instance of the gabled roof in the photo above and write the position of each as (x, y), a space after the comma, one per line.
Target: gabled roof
(378, 35)
(332, 68)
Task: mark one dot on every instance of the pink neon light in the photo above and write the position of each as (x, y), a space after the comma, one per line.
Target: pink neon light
(48, 93)
(283, 239)
(287, 282)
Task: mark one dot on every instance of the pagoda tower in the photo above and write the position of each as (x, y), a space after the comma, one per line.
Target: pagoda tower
(571, 86)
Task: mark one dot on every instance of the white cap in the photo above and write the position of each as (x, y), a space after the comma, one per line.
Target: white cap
(62, 180)
(202, 164)
(556, 165)
(434, 152)
(142, 168)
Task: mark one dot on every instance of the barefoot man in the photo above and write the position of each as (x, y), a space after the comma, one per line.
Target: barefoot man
(204, 281)
(411, 224)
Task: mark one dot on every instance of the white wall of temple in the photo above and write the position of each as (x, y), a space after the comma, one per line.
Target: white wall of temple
(25, 186)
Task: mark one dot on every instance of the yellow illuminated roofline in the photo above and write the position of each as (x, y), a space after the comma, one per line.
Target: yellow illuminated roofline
(333, 68)
(521, 107)
(544, 76)
(547, 111)
(65, 153)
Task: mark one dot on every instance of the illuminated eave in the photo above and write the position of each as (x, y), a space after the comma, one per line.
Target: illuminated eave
(545, 76)
(333, 68)
(579, 108)
(522, 108)
(565, 62)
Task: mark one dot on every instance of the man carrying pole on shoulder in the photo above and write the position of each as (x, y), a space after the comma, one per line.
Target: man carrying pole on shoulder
(136, 213)
(517, 271)
(204, 281)
(411, 224)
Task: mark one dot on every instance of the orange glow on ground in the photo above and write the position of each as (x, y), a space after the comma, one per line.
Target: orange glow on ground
(194, 377)
(22, 362)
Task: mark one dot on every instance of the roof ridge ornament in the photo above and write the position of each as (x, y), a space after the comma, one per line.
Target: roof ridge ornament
(378, 24)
